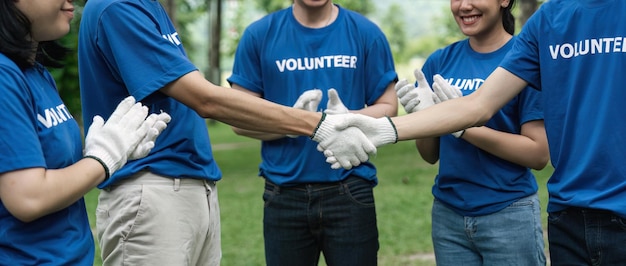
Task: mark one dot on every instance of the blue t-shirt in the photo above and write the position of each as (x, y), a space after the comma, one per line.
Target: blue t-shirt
(279, 58)
(471, 181)
(131, 47)
(574, 51)
(38, 131)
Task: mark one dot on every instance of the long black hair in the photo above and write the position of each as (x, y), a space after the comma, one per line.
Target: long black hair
(508, 20)
(15, 43)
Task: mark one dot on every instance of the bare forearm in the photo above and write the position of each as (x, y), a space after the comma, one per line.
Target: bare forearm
(460, 113)
(515, 148)
(32, 193)
(385, 105)
(257, 134)
(269, 118)
(440, 119)
(240, 109)
(428, 148)
(378, 110)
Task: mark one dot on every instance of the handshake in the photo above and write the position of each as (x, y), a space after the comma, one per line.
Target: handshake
(348, 139)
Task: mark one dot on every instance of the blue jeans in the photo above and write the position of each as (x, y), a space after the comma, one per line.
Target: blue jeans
(580, 236)
(338, 219)
(511, 236)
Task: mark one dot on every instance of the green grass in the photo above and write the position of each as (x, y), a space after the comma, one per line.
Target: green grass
(403, 200)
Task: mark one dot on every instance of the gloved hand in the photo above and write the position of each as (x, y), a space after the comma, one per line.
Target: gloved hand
(335, 106)
(445, 91)
(112, 142)
(415, 99)
(308, 100)
(155, 123)
(379, 131)
(349, 147)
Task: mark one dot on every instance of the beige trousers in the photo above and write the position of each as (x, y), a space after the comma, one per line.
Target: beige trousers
(149, 219)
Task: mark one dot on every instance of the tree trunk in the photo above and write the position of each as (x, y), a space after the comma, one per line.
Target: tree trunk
(527, 8)
(215, 31)
(170, 8)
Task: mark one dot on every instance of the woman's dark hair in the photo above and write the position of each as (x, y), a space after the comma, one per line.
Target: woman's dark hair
(508, 20)
(15, 29)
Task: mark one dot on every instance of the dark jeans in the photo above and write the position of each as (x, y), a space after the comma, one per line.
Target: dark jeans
(338, 219)
(580, 236)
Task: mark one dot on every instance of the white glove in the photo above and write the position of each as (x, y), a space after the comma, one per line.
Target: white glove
(335, 106)
(112, 142)
(379, 131)
(308, 100)
(445, 91)
(155, 123)
(349, 147)
(415, 99)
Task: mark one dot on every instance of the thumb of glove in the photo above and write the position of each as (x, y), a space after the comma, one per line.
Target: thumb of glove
(309, 100)
(335, 106)
(419, 76)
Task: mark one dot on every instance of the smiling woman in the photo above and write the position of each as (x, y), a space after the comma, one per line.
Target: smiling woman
(50, 20)
(44, 172)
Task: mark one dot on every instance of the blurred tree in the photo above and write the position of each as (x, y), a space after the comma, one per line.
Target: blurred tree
(213, 73)
(447, 30)
(364, 7)
(170, 8)
(526, 8)
(236, 26)
(66, 78)
(394, 27)
(269, 6)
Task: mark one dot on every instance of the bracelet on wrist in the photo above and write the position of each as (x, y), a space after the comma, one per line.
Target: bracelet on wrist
(318, 125)
(106, 169)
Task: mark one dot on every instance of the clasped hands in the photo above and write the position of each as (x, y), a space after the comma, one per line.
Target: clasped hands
(346, 139)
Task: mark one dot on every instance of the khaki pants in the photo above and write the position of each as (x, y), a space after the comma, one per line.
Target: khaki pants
(148, 219)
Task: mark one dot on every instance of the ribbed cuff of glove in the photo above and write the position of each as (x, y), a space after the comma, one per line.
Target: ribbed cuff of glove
(110, 165)
(388, 135)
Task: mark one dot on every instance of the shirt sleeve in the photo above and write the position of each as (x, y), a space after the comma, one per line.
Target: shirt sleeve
(381, 67)
(247, 66)
(127, 35)
(523, 59)
(19, 143)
